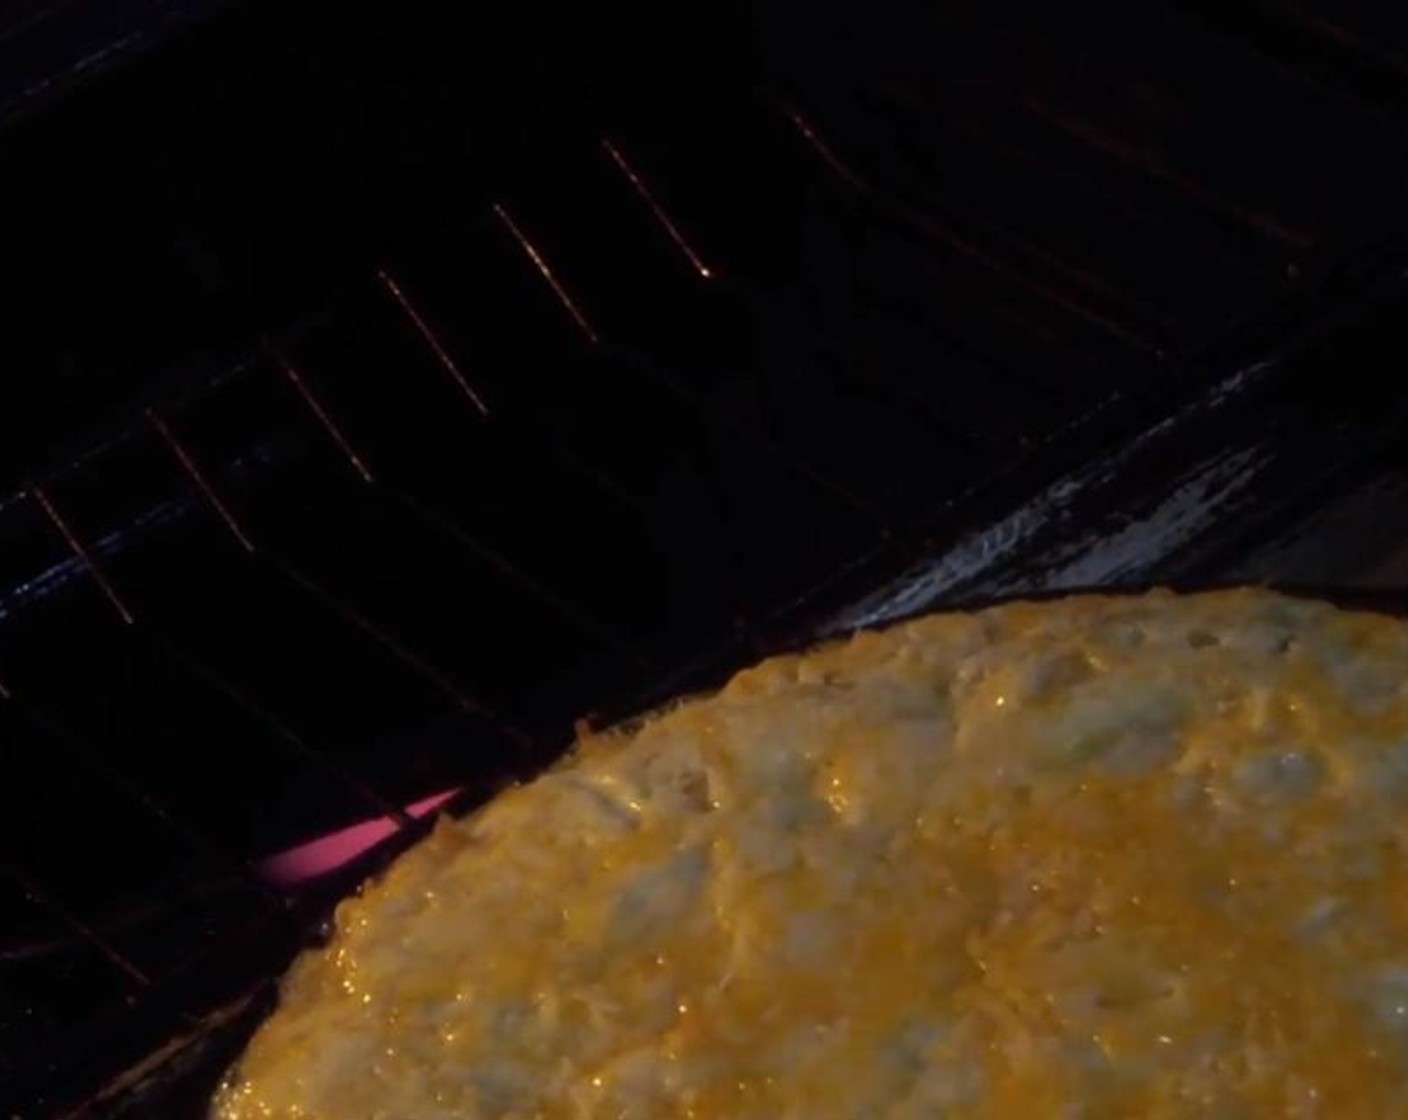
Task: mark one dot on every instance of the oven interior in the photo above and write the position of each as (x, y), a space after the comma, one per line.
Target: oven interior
(392, 395)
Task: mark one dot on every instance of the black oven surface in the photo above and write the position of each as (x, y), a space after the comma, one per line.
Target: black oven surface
(392, 395)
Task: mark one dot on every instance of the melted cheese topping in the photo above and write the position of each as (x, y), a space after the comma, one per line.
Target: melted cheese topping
(1103, 857)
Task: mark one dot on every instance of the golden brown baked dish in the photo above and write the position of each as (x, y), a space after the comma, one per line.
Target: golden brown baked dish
(1097, 857)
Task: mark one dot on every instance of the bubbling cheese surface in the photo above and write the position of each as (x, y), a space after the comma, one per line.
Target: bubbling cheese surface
(1096, 857)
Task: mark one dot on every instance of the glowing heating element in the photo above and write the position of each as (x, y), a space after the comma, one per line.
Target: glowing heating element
(328, 853)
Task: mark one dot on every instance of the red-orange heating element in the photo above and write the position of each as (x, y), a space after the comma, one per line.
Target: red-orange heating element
(82, 555)
(403, 301)
(656, 208)
(197, 476)
(319, 411)
(545, 271)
